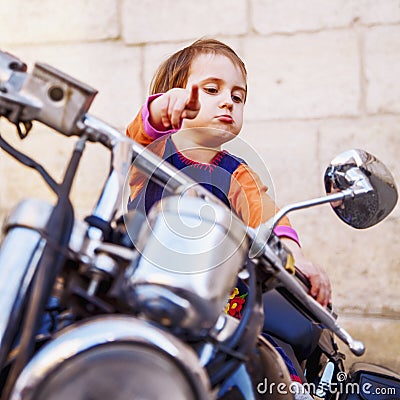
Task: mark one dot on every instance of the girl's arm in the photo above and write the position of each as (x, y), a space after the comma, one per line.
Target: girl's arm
(250, 201)
(247, 196)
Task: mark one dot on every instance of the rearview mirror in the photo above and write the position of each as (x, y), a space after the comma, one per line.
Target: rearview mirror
(375, 193)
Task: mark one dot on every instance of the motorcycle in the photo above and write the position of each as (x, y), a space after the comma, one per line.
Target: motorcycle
(123, 305)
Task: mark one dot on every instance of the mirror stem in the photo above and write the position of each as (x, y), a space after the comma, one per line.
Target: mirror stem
(332, 198)
(261, 234)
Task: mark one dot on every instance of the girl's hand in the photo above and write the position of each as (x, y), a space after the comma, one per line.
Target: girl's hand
(168, 110)
(319, 280)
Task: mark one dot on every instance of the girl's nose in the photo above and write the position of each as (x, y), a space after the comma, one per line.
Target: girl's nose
(226, 102)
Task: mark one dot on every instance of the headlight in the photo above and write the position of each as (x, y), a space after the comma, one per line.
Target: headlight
(191, 253)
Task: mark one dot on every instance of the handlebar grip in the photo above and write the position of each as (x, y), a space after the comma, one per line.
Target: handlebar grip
(303, 279)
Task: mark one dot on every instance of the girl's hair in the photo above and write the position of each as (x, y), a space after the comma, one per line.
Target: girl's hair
(174, 72)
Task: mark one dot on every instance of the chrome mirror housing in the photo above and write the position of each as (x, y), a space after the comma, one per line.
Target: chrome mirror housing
(374, 190)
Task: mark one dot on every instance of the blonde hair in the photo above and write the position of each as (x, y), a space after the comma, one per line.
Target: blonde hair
(174, 72)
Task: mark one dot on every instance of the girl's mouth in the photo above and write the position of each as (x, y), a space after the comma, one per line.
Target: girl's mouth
(225, 118)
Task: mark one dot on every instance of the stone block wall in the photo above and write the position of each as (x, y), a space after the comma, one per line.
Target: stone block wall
(323, 78)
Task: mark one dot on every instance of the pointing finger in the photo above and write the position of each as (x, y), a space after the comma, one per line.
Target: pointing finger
(193, 103)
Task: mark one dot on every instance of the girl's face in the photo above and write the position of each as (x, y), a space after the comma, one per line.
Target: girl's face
(222, 92)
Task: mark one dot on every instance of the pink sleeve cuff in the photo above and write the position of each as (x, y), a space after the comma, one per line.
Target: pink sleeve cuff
(288, 232)
(148, 128)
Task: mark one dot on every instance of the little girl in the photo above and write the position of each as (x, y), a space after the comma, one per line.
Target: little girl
(196, 105)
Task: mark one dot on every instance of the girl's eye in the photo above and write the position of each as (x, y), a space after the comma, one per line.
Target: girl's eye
(237, 99)
(211, 90)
